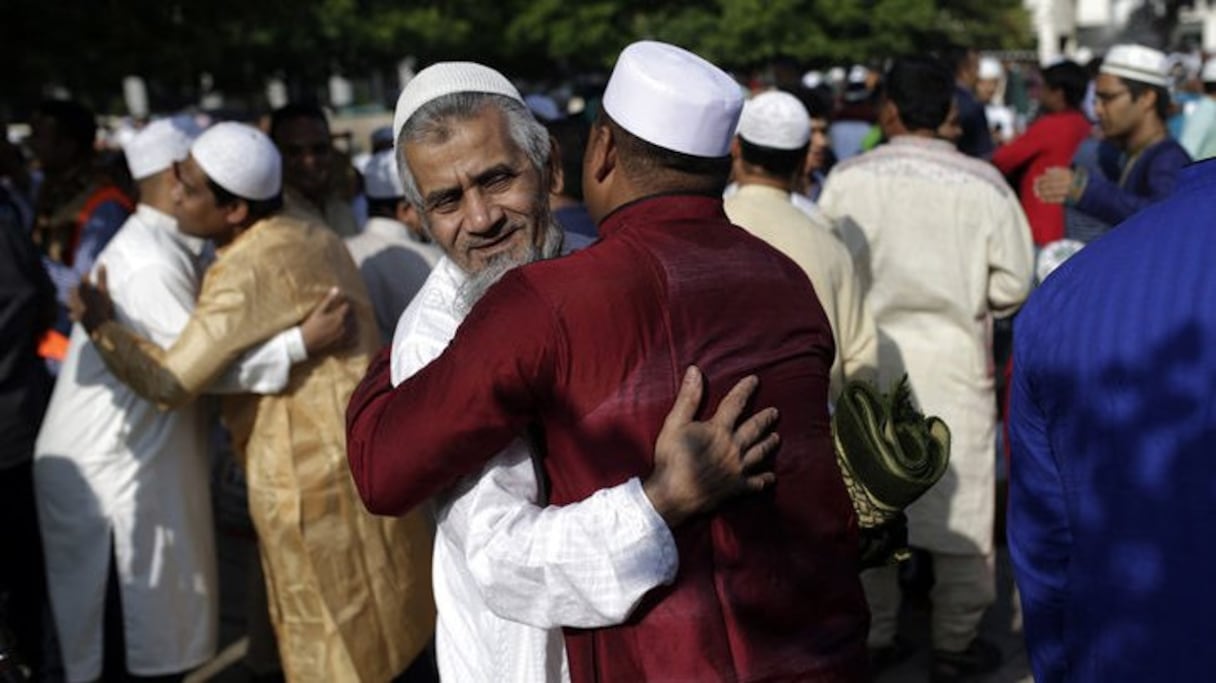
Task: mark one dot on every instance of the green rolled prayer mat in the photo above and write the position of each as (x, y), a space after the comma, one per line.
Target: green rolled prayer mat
(889, 454)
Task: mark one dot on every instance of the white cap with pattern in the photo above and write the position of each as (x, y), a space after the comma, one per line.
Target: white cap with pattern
(776, 120)
(1137, 63)
(240, 159)
(674, 99)
(446, 78)
(157, 145)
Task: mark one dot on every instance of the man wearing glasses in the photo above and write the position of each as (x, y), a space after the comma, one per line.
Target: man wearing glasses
(1132, 102)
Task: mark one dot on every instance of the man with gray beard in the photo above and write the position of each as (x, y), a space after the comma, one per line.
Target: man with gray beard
(509, 572)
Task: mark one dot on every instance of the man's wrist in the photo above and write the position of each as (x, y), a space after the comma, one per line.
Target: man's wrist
(1076, 188)
(663, 503)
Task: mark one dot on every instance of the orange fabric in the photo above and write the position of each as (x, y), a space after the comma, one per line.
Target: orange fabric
(53, 345)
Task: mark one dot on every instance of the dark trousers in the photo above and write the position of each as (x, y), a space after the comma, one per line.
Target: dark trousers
(23, 598)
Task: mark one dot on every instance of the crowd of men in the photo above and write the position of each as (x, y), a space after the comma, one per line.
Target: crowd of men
(557, 405)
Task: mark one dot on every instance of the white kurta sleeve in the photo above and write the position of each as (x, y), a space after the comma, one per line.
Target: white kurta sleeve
(1010, 257)
(265, 368)
(586, 564)
(155, 300)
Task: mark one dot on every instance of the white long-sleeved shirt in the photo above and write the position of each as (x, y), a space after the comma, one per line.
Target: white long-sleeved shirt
(507, 572)
(110, 465)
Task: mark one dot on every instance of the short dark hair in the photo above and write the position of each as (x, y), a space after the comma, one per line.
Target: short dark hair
(922, 90)
(292, 111)
(73, 121)
(258, 208)
(1069, 78)
(1139, 88)
(571, 136)
(955, 56)
(383, 207)
(664, 169)
(818, 101)
(780, 163)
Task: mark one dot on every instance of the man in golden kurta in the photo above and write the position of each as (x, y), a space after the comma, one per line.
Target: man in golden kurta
(349, 593)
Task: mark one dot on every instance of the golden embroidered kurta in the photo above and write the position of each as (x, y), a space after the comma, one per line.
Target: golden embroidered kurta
(349, 593)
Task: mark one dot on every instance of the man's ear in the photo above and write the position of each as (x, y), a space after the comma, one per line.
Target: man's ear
(237, 212)
(601, 152)
(557, 177)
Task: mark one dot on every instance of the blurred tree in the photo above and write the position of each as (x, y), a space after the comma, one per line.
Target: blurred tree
(88, 47)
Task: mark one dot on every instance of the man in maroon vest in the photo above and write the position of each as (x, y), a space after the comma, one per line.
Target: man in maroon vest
(591, 348)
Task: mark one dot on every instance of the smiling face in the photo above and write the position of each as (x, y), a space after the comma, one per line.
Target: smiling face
(482, 199)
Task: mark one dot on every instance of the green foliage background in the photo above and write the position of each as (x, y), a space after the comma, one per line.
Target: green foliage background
(88, 47)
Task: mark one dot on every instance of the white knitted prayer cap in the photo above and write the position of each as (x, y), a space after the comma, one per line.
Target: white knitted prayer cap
(776, 120)
(446, 78)
(240, 159)
(380, 177)
(1137, 63)
(157, 145)
(674, 99)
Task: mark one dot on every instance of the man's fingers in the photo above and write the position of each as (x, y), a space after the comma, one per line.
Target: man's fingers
(756, 456)
(758, 482)
(755, 427)
(333, 298)
(732, 405)
(687, 400)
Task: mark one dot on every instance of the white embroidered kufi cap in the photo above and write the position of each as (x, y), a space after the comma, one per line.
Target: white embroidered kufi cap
(674, 99)
(446, 78)
(380, 177)
(157, 145)
(990, 69)
(776, 120)
(812, 79)
(1208, 75)
(1137, 63)
(240, 159)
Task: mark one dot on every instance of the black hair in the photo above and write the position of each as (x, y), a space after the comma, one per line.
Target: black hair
(383, 207)
(955, 56)
(818, 101)
(571, 136)
(1139, 88)
(292, 111)
(258, 208)
(73, 121)
(780, 163)
(1209, 88)
(667, 170)
(922, 89)
(1070, 78)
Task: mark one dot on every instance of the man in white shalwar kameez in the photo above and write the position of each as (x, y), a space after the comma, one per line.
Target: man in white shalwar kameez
(942, 246)
(508, 572)
(122, 482)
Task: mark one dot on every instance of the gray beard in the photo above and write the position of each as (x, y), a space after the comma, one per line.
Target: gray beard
(480, 282)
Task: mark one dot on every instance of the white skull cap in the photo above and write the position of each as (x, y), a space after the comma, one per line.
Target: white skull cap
(1137, 63)
(156, 146)
(380, 177)
(674, 99)
(240, 159)
(776, 120)
(446, 78)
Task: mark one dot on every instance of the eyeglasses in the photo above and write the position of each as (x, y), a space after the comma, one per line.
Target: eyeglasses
(1108, 97)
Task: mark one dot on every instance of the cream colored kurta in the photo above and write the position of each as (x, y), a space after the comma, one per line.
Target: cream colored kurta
(768, 213)
(349, 593)
(942, 245)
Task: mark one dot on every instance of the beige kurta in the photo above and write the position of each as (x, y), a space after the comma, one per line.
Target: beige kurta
(767, 213)
(941, 245)
(349, 593)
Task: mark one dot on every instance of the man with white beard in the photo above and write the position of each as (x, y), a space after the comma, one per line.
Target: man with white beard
(508, 572)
